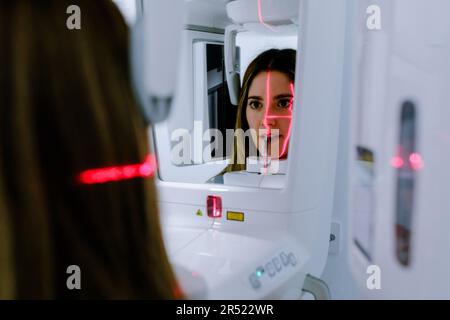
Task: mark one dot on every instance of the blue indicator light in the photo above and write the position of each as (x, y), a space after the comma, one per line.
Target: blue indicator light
(259, 272)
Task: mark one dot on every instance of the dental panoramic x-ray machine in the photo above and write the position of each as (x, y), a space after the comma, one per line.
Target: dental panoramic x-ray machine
(235, 242)
(255, 240)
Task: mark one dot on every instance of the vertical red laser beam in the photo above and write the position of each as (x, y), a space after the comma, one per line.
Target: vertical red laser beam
(267, 116)
(265, 124)
(261, 18)
(286, 140)
(266, 112)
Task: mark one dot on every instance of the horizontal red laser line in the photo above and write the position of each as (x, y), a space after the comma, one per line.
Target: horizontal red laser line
(276, 117)
(118, 173)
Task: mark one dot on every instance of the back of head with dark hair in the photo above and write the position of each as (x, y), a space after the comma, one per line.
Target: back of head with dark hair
(66, 105)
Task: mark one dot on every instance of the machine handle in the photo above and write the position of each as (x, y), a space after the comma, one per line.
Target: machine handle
(317, 287)
(230, 62)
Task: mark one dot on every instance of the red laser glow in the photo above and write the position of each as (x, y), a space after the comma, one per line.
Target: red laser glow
(416, 161)
(268, 116)
(118, 173)
(261, 18)
(397, 162)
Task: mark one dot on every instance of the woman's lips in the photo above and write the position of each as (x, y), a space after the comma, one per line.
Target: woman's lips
(271, 136)
(268, 139)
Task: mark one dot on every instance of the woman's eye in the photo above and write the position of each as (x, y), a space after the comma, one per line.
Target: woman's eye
(255, 104)
(285, 103)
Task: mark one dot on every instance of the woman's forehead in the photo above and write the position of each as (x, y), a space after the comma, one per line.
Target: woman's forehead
(275, 81)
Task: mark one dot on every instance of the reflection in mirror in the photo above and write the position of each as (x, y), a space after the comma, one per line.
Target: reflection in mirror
(214, 141)
(222, 113)
(210, 141)
(265, 115)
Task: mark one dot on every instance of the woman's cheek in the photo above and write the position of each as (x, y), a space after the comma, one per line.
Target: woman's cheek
(289, 126)
(248, 115)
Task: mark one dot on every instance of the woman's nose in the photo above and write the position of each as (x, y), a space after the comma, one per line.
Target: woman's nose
(269, 120)
(269, 116)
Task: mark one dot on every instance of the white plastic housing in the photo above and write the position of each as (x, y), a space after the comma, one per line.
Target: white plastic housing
(406, 61)
(274, 12)
(155, 55)
(295, 218)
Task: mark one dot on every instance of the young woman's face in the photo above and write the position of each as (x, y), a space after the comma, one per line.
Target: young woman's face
(269, 107)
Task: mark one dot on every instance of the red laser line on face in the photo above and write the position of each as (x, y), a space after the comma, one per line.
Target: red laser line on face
(266, 113)
(265, 124)
(261, 18)
(286, 141)
(119, 173)
(279, 117)
(267, 116)
(291, 87)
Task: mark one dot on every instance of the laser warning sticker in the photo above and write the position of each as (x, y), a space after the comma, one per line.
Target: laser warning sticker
(235, 216)
(199, 212)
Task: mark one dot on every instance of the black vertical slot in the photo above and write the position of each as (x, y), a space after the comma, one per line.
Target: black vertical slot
(405, 183)
(222, 114)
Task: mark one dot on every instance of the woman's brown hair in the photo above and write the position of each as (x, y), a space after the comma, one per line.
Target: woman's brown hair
(282, 60)
(66, 106)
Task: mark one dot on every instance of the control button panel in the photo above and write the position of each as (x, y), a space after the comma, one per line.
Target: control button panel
(271, 268)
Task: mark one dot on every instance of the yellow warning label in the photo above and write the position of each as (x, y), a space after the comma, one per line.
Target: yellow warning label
(236, 216)
(199, 212)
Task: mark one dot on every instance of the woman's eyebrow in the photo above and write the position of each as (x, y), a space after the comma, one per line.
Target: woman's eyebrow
(255, 98)
(283, 95)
